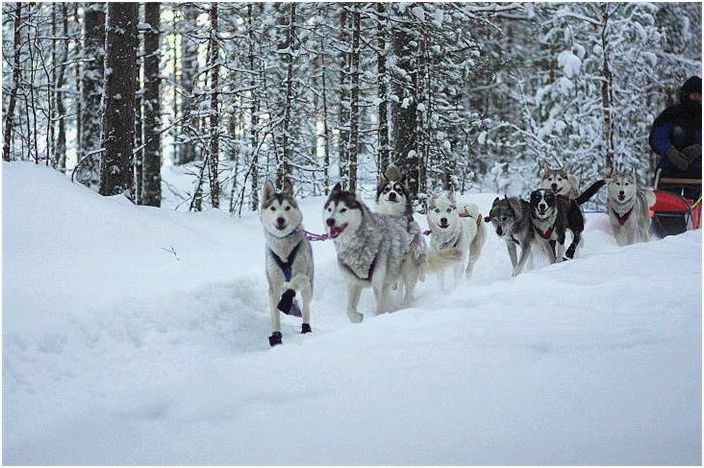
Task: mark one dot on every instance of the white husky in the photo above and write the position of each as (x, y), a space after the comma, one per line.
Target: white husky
(289, 258)
(628, 207)
(457, 235)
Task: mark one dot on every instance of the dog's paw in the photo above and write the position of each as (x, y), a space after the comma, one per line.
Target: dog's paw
(355, 317)
(305, 328)
(515, 273)
(286, 301)
(275, 339)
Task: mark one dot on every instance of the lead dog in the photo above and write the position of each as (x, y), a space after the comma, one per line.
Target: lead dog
(372, 250)
(457, 233)
(289, 258)
(628, 207)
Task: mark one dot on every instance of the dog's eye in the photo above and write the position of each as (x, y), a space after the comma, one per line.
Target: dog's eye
(437, 210)
(288, 208)
(627, 184)
(504, 218)
(272, 208)
(329, 210)
(448, 210)
(342, 210)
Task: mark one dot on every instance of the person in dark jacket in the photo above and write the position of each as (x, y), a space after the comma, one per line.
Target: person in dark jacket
(676, 134)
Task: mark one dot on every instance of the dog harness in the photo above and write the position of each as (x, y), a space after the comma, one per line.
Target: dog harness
(622, 219)
(547, 234)
(286, 267)
(369, 274)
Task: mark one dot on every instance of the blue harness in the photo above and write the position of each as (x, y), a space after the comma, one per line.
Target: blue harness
(286, 267)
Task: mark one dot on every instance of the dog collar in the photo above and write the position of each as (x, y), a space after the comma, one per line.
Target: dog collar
(547, 234)
(286, 267)
(622, 219)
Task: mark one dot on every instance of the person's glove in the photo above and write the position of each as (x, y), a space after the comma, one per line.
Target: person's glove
(692, 152)
(677, 158)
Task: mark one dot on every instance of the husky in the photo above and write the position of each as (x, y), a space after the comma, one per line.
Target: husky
(560, 181)
(289, 257)
(372, 250)
(628, 207)
(456, 233)
(553, 214)
(394, 199)
(512, 222)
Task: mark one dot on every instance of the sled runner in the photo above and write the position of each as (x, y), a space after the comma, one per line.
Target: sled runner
(677, 206)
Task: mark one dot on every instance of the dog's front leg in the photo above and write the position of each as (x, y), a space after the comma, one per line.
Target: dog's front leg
(525, 252)
(305, 286)
(511, 246)
(354, 291)
(275, 337)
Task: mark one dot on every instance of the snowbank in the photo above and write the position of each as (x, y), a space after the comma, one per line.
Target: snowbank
(117, 352)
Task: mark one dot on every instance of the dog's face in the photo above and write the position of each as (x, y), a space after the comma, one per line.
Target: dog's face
(442, 211)
(392, 193)
(502, 216)
(542, 203)
(621, 186)
(342, 213)
(557, 180)
(279, 212)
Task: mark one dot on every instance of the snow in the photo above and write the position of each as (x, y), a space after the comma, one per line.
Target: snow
(116, 352)
(569, 63)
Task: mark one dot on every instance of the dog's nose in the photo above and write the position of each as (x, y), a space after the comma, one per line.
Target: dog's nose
(392, 196)
(487, 219)
(443, 220)
(280, 220)
(330, 222)
(554, 187)
(621, 192)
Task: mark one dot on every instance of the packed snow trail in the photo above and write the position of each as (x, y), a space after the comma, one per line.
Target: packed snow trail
(138, 335)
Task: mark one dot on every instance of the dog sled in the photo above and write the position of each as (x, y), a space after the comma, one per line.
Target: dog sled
(678, 205)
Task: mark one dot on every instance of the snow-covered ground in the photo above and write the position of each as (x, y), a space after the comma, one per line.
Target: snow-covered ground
(136, 335)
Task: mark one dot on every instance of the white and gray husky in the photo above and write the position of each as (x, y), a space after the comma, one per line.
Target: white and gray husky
(457, 235)
(628, 207)
(289, 258)
(372, 250)
(393, 198)
(560, 181)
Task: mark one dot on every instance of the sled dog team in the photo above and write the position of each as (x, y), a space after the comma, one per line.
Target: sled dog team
(386, 250)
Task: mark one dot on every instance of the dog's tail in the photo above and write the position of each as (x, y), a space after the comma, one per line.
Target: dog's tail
(590, 192)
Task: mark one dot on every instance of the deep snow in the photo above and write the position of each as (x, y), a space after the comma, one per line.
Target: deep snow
(115, 351)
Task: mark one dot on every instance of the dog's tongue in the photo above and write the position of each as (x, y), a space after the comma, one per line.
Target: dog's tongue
(336, 231)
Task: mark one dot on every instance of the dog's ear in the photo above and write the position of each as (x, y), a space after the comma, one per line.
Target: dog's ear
(336, 189)
(288, 187)
(633, 174)
(496, 200)
(269, 190)
(515, 205)
(451, 196)
(382, 178)
(402, 181)
(564, 171)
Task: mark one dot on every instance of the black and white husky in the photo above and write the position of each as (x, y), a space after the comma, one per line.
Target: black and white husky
(628, 207)
(512, 222)
(553, 215)
(372, 250)
(457, 235)
(289, 258)
(394, 199)
(560, 181)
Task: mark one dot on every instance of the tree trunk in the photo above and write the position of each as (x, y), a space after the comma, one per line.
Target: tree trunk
(326, 128)
(119, 98)
(353, 147)
(405, 144)
(189, 69)
(77, 83)
(151, 177)
(60, 148)
(253, 112)
(343, 109)
(9, 115)
(92, 81)
(138, 156)
(214, 115)
(606, 92)
(383, 147)
(283, 170)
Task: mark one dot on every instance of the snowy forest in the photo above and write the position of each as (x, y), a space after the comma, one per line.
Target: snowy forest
(459, 95)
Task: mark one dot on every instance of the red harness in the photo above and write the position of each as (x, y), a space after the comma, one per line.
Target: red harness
(547, 234)
(622, 219)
